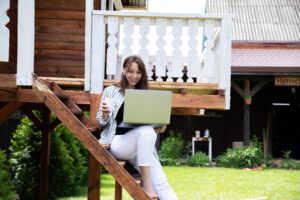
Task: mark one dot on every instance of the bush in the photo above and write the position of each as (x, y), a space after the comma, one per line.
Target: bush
(6, 187)
(68, 161)
(171, 149)
(199, 159)
(287, 162)
(24, 159)
(242, 157)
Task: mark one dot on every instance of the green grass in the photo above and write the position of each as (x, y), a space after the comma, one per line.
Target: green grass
(219, 183)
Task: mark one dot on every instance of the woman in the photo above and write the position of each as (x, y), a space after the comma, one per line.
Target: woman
(136, 144)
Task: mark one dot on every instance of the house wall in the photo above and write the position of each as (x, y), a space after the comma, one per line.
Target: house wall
(59, 38)
(266, 57)
(284, 130)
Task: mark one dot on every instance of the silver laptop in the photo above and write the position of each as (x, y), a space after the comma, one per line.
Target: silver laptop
(146, 107)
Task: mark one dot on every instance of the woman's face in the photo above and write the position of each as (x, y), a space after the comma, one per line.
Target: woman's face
(133, 75)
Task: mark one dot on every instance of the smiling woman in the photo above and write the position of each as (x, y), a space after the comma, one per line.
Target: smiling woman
(137, 145)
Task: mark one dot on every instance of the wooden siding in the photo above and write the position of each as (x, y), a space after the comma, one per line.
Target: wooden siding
(11, 66)
(59, 38)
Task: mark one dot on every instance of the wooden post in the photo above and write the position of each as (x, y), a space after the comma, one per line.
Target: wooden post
(246, 94)
(118, 191)
(94, 166)
(246, 114)
(45, 154)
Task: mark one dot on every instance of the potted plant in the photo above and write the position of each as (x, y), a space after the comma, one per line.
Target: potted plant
(248, 99)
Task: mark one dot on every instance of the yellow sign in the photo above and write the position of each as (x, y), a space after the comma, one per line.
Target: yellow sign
(287, 80)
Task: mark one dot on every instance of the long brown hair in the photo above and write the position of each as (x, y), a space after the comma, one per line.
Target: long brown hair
(143, 83)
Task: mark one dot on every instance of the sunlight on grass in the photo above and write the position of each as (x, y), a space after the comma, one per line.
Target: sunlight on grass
(219, 183)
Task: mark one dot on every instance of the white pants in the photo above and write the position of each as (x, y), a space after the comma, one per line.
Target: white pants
(138, 147)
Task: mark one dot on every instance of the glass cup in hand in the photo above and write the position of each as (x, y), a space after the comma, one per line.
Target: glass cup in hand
(109, 104)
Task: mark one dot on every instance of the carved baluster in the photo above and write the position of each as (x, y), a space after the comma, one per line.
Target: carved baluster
(4, 31)
(208, 69)
(193, 60)
(144, 31)
(112, 51)
(169, 73)
(177, 65)
(161, 58)
(128, 30)
(149, 71)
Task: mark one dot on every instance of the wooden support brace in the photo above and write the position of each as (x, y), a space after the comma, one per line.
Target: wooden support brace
(37, 122)
(54, 124)
(8, 110)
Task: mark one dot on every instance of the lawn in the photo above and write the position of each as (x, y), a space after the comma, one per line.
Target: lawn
(219, 183)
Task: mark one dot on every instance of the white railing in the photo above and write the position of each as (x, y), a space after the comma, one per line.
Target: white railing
(4, 31)
(135, 32)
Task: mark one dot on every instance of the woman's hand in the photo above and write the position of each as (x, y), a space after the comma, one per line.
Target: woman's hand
(161, 129)
(105, 111)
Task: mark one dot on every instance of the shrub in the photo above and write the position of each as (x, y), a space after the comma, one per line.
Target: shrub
(24, 159)
(68, 161)
(171, 149)
(287, 162)
(199, 159)
(6, 187)
(242, 157)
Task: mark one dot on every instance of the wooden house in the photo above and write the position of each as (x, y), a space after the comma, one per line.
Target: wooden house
(265, 67)
(56, 56)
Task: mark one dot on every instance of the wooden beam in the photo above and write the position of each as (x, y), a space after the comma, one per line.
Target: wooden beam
(8, 81)
(237, 89)
(45, 154)
(257, 87)
(215, 102)
(88, 140)
(28, 96)
(82, 98)
(8, 110)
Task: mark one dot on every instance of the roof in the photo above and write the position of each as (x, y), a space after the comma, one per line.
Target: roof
(261, 20)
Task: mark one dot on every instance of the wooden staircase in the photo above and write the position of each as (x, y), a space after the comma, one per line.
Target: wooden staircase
(85, 130)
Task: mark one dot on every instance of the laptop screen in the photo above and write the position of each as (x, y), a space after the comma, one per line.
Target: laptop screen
(147, 106)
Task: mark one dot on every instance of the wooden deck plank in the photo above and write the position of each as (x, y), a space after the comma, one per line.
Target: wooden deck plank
(152, 84)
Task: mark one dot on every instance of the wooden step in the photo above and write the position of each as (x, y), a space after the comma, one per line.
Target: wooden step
(58, 91)
(74, 108)
(122, 162)
(137, 178)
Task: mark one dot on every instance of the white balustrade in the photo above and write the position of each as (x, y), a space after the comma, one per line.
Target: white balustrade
(4, 31)
(177, 40)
